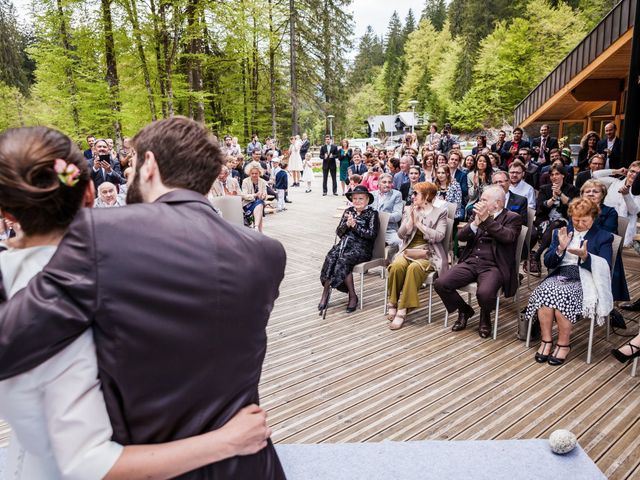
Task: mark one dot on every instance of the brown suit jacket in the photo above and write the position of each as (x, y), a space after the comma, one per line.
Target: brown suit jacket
(505, 231)
(178, 315)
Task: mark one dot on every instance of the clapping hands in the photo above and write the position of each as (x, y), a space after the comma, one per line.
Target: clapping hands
(580, 252)
(564, 238)
(481, 211)
(351, 221)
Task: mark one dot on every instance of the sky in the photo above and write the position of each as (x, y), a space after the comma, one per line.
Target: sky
(378, 12)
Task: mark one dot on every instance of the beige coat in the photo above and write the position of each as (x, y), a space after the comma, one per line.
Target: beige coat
(232, 185)
(436, 229)
(247, 190)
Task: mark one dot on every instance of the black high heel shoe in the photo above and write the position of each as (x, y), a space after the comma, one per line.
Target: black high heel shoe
(622, 358)
(354, 308)
(555, 361)
(540, 357)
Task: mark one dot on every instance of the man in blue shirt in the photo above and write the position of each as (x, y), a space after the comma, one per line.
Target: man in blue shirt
(403, 175)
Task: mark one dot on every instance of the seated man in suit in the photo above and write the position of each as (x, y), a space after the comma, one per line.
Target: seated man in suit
(595, 163)
(611, 147)
(514, 203)
(488, 259)
(388, 200)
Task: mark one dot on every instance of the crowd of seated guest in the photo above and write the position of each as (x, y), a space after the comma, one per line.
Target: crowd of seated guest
(493, 190)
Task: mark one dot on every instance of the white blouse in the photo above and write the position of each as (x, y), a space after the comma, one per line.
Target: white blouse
(576, 241)
(59, 421)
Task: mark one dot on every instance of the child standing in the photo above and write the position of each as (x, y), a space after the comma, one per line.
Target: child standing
(307, 172)
(281, 185)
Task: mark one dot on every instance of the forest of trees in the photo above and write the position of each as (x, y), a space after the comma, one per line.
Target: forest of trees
(275, 67)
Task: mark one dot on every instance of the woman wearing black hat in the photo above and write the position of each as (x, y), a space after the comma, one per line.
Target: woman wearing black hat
(357, 230)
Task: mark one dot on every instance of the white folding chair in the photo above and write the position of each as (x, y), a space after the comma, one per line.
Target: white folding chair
(431, 277)
(378, 259)
(231, 208)
(531, 215)
(623, 224)
(472, 288)
(617, 242)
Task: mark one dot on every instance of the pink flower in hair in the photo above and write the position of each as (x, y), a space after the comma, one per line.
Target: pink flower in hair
(68, 173)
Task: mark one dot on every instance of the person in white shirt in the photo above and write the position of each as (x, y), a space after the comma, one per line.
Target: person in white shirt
(619, 196)
(60, 425)
(519, 186)
(108, 197)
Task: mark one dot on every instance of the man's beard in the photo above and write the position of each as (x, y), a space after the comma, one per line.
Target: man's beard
(134, 195)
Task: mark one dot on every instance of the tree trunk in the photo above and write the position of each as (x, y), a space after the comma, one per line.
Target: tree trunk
(294, 77)
(166, 57)
(112, 70)
(159, 59)
(254, 74)
(245, 111)
(196, 41)
(73, 89)
(132, 12)
(272, 72)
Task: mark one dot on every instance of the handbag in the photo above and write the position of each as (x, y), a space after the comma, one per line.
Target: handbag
(415, 253)
(521, 333)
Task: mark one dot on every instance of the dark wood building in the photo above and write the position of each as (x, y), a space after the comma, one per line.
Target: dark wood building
(588, 88)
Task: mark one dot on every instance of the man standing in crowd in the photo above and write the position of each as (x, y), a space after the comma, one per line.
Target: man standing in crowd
(229, 149)
(104, 168)
(388, 200)
(488, 259)
(595, 163)
(433, 139)
(253, 144)
(542, 145)
(461, 177)
(446, 140)
(403, 175)
(328, 155)
(531, 169)
(216, 362)
(304, 148)
(510, 148)
(88, 153)
(611, 147)
(519, 186)
(497, 147)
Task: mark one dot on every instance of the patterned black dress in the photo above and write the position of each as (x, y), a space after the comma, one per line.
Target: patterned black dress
(355, 246)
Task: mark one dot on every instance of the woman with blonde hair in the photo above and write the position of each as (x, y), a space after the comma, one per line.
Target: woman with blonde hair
(254, 194)
(422, 231)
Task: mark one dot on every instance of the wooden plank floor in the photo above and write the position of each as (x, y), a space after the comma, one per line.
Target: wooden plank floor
(350, 379)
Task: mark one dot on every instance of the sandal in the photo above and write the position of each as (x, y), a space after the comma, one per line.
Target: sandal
(541, 357)
(391, 311)
(397, 325)
(554, 360)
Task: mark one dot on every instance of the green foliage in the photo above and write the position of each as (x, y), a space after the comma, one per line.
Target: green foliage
(15, 68)
(511, 61)
(394, 62)
(363, 104)
(436, 12)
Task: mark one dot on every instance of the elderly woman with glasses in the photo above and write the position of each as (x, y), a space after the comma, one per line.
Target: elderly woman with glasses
(254, 194)
(596, 191)
(579, 260)
(357, 231)
(422, 230)
(619, 196)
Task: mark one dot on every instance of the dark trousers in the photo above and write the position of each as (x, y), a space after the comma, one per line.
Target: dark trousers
(329, 166)
(486, 274)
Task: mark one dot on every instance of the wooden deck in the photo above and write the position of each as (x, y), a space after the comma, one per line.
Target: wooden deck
(350, 379)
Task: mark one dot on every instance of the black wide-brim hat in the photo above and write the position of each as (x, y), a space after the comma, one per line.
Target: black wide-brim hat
(360, 189)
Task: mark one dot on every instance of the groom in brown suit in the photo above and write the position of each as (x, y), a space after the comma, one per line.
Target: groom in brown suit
(489, 259)
(178, 314)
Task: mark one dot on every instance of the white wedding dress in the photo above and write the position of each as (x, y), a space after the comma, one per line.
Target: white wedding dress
(295, 160)
(59, 421)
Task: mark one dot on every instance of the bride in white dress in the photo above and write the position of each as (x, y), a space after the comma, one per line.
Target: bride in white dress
(60, 425)
(295, 160)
